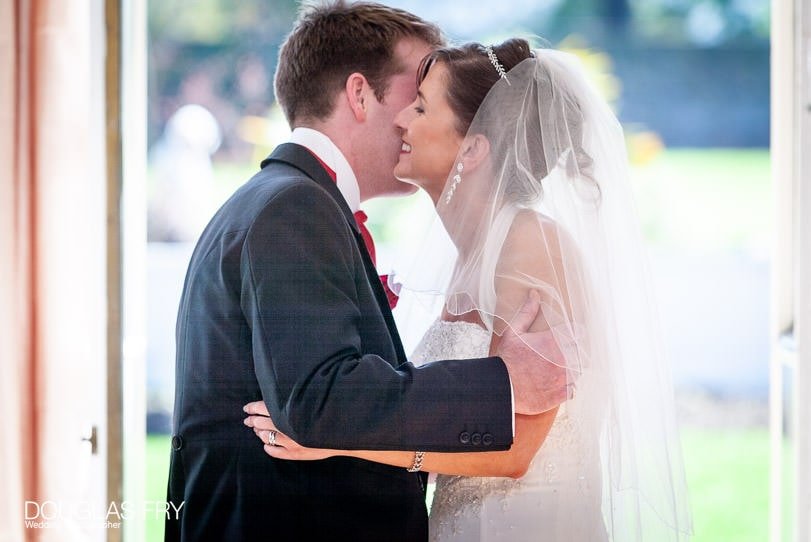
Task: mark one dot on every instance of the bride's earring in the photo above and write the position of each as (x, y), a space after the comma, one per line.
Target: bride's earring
(456, 180)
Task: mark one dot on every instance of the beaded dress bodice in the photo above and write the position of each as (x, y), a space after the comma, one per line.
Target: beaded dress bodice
(480, 508)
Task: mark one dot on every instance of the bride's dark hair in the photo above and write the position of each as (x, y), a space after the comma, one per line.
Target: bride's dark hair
(471, 76)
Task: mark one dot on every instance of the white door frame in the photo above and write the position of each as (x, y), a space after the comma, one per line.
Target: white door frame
(791, 268)
(126, 88)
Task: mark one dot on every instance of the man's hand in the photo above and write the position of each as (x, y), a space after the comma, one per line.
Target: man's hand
(534, 361)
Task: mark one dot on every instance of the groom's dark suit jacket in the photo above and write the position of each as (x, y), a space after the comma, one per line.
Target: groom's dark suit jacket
(281, 302)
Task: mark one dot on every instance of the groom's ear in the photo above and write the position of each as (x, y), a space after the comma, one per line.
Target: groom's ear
(475, 149)
(357, 93)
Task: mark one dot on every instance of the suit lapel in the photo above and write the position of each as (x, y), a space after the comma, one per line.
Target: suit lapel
(302, 159)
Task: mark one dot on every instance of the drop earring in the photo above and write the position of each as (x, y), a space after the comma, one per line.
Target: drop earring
(456, 180)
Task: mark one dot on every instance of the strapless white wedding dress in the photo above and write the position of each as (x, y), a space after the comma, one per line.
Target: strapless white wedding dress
(559, 499)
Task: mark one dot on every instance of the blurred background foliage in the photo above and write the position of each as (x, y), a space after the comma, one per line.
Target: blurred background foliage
(222, 55)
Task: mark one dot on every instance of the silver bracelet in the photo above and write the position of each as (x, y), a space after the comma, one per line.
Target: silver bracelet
(418, 457)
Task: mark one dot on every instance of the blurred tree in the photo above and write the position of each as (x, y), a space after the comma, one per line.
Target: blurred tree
(617, 14)
(217, 53)
(696, 23)
(222, 54)
(703, 23)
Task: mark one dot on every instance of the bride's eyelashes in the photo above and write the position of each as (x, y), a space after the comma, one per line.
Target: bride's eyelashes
(419, 110)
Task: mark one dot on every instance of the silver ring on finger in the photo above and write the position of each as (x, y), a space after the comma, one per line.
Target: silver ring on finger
(272, 438)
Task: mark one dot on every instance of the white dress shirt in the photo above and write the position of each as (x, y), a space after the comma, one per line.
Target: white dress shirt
(323, 147)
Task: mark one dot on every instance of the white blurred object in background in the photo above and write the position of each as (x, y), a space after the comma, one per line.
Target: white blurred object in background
(181, 195)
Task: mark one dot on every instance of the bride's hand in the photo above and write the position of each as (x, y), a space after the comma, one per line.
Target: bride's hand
(277, 444)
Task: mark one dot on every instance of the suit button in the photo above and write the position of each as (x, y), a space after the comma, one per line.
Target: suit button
(487, 439)
(476, 439)
(464, 437)
(177, 442)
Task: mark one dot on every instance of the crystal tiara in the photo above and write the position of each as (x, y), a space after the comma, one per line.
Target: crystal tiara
(496, 64)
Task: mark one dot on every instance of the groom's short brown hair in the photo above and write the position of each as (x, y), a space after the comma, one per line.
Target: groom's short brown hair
(331, 41)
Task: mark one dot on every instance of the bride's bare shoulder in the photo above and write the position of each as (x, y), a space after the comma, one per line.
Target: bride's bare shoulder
(533, 233)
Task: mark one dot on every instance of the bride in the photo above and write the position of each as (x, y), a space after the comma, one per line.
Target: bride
(526, 167)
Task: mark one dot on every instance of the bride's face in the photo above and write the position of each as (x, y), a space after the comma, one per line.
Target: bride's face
(430, 138)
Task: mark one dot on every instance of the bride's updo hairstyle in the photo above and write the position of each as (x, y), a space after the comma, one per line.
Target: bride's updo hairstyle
(472, 75)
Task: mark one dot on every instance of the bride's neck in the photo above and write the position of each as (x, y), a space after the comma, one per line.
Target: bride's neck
(464, 227)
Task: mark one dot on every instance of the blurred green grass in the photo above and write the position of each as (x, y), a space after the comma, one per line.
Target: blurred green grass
(727, 475)
(157, 474)
(728, 483)
(707, 199)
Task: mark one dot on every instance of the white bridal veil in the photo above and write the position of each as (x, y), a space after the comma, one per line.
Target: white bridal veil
(543, 200)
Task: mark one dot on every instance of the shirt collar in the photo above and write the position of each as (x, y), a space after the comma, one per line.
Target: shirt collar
(323, 147)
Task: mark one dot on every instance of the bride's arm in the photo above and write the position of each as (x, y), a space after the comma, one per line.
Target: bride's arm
(530, 432)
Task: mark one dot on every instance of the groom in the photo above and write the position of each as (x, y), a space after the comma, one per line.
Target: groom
(282, 303)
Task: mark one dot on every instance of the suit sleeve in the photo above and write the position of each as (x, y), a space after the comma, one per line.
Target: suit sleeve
(301, 274)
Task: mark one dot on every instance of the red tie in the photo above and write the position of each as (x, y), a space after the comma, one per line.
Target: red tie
(360, 218)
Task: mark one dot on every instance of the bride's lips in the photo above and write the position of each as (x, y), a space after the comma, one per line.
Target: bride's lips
(405, 149)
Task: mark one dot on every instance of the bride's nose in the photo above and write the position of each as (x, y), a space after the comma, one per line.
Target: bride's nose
(402, 118)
